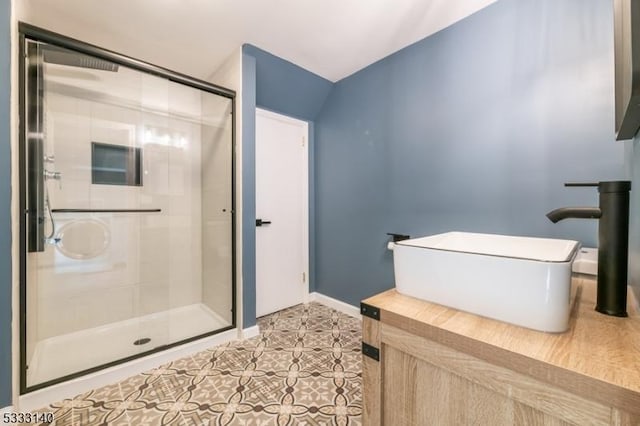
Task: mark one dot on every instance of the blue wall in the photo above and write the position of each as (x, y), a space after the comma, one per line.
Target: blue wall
(5, 204)
(277, 85)
(248, 191)
(475, 128)
(285, 87)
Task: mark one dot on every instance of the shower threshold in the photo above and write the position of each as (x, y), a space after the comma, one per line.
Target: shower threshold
(66, 354)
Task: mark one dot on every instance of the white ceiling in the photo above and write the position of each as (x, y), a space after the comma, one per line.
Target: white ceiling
(332, 38)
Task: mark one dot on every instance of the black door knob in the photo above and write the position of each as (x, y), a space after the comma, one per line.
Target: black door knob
(260, 222)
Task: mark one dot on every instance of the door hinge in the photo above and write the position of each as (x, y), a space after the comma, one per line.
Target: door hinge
(303, 141)
(304, 277)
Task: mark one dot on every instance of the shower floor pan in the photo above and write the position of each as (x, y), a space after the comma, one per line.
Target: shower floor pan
(66, 354)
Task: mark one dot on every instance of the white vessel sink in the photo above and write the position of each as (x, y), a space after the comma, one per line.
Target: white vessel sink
(520, 280)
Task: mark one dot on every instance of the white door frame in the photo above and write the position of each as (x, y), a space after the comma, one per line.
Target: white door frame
(305, 189)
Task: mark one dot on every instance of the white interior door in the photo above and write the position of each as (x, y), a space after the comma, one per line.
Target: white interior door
(282, 205)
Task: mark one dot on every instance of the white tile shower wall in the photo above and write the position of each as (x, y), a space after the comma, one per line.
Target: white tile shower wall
(153, 261)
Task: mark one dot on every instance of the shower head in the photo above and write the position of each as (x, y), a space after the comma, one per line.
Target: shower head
(60, 56)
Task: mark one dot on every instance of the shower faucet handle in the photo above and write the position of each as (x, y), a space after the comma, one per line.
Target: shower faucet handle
(49, 174)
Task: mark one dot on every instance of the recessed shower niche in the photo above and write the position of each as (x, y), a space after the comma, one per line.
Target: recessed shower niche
(127, 242)
(116, 164)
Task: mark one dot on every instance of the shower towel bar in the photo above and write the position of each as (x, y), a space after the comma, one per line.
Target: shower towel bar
(106, 210)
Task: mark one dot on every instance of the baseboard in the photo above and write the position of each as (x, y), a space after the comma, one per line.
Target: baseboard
(335, 304)
(43, 397)
(250, 332)
(8, 409)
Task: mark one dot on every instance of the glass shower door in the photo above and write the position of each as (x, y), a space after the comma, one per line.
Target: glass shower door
(128, 238)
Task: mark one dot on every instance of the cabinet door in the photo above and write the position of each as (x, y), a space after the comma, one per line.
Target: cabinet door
(421, 382)
(416, 392)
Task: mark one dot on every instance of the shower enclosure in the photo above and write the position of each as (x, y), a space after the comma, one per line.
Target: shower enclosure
(127, 195)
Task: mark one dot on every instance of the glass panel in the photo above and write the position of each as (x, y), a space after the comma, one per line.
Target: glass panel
(199, 140)
(152, 298)
(129, 233)
(33, 162)
(217, 176)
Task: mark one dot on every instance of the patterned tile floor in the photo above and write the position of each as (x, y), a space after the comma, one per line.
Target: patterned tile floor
(303, 369)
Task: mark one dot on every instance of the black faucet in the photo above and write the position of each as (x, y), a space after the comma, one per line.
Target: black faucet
(613, 242)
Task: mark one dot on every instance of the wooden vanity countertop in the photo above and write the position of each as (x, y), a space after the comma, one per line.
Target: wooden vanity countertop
(598, 357)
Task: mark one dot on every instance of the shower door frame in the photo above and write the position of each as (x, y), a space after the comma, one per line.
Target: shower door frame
(33, 33)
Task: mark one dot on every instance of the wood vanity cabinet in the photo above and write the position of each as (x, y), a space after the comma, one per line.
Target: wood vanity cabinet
(440, 366)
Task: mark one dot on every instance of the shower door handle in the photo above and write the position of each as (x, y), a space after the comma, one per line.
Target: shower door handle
(260, 222)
